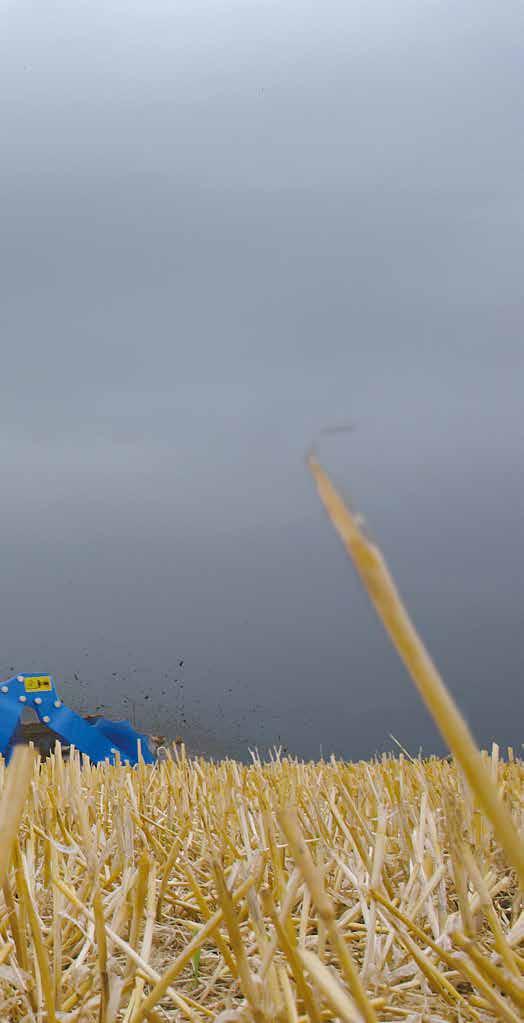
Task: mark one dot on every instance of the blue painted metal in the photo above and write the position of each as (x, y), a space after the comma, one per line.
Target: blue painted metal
(102, 740)
(122, 735)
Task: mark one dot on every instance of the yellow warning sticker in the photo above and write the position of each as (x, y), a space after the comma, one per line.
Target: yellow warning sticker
(37, 684)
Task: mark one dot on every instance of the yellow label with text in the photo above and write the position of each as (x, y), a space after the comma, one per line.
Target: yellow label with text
(37, 684)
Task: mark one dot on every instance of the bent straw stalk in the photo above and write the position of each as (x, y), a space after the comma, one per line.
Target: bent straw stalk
(386, 600)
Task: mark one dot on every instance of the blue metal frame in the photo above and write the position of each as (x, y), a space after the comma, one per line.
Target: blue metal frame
(101, 740)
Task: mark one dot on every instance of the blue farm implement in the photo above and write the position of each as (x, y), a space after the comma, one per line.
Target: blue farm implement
(100, 739)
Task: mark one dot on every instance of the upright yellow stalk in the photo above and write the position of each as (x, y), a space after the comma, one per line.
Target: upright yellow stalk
(12, 803)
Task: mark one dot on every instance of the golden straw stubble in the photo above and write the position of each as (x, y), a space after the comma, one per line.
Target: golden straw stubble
(319, 912)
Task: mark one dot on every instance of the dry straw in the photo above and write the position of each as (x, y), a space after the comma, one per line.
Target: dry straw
(345, 907)
(373, 892)
(383, 593)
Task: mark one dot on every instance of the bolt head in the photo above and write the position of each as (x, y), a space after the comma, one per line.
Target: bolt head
(58, 703)
(20, 678)
(38, 699)
(46, 719)
(22, 698)
(5, 689)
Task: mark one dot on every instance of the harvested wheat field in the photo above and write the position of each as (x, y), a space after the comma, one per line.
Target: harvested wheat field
(390, 890)
(183, 892)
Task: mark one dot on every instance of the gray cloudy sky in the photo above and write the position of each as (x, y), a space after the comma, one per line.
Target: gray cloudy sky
(223, 228)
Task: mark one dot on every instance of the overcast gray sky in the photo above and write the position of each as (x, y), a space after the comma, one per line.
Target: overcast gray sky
(223, 228)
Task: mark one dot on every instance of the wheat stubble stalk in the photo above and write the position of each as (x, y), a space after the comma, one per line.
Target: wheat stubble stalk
(388, 604)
